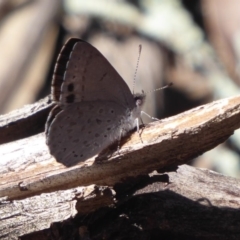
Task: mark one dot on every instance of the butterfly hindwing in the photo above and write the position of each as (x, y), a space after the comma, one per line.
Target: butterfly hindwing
(76, 134)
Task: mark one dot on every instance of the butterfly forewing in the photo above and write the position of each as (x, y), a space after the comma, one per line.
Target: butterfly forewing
(89, 76)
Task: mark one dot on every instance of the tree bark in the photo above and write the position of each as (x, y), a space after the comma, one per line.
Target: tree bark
(36, 191)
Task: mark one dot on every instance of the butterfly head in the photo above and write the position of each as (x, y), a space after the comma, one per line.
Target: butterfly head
(139, 99)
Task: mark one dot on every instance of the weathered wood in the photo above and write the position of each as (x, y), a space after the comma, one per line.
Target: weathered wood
(27, 169)
(32, 214)
(24, 122)
(190, 203)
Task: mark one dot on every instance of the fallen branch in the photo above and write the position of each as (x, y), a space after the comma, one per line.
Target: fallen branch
(27, 169)
(188, 203)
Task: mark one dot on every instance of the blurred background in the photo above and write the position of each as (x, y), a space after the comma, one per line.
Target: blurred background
(194, 44)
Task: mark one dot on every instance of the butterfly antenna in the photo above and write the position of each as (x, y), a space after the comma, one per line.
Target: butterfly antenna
(157, 89)
(135, 74)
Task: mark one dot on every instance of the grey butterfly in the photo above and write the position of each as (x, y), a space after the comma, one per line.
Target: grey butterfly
(94, 105)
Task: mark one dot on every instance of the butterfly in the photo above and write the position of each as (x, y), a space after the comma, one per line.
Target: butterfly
(94, 105)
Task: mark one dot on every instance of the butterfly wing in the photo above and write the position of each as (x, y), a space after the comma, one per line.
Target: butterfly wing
(82, 74)
(82, 130)
(94, 104)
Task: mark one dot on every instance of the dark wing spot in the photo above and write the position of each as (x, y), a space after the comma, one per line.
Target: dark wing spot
(70, 98)
(97, 135)
(74, 154)
(98, 121)
(70, 87)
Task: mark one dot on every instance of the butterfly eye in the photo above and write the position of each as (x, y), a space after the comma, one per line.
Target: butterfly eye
(139, 102)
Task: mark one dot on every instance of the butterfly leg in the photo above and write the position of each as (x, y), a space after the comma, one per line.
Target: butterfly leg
(153, 118)
(137, 124)
(119, 141)
(142, 122)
